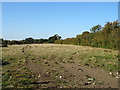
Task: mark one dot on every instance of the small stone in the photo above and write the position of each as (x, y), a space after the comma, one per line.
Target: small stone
(38, 75)
(94, 83)
(47, 72)
(110, 73)
(117, 73)
(79, 69)
(60, 76)
(90, 79)
(74, 77)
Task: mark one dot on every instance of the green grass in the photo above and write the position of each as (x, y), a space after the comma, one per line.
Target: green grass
(14, 72)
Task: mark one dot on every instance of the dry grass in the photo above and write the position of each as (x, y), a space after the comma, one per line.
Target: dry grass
(103, 58)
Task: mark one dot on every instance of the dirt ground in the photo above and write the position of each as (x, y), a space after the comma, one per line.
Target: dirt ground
(52, 73)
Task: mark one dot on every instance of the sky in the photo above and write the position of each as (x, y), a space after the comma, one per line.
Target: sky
(60, 0)
(44, 19)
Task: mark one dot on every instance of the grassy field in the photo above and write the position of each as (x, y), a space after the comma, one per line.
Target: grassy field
(61, 66)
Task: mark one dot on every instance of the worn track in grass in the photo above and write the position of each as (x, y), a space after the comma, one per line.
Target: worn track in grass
(50, 72)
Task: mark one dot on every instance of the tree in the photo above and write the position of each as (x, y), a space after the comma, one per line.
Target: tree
(45, 41)
(58, 42)
(70, 41)
(96, 28)
(29, 40)
(85, 33)
(54, 38)
(3, 43)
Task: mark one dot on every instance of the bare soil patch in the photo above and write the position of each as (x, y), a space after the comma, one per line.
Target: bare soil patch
(53, 73)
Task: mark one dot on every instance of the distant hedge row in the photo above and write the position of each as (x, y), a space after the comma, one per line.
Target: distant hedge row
(30, 40)
(105, 37)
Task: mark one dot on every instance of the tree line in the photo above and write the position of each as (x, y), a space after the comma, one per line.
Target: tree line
(105, 37)
(30, 40)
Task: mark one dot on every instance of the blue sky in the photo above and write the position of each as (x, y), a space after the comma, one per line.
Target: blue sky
(44, 19)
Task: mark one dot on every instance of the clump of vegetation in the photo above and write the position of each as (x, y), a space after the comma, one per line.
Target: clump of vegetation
(5, 62)
(62, 81)
(4, 45)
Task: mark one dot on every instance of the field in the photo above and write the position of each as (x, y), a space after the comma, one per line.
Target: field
(61, 66)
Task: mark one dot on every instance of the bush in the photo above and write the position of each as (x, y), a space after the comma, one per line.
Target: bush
(4, 45)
